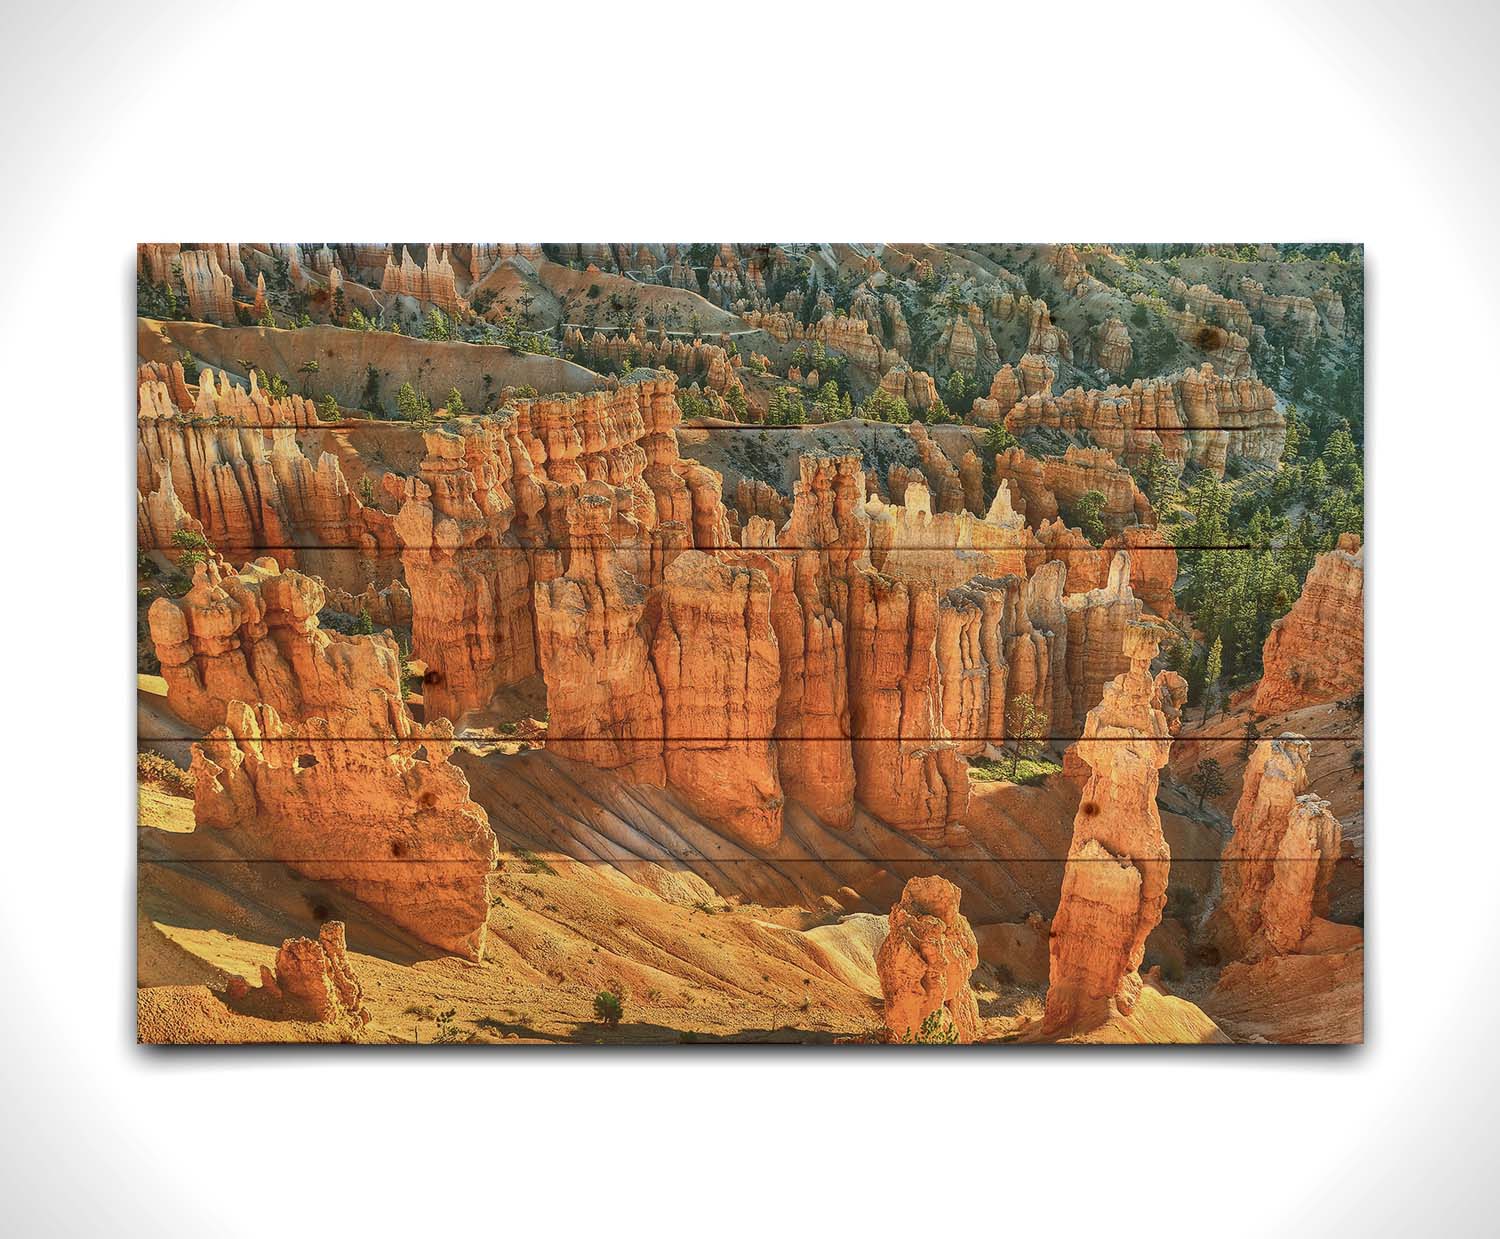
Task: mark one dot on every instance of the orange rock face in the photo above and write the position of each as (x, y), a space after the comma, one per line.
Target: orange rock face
(1316, 651)
(312, 980)
(254, 636)
(718, 664)
(1030, 494)
(490, 514)
(1082, 469)
(926, 960)
(432, 282)
(907, 770)
(1042, 486)
(1277, 866)
(210, 290)
(913, 386)
(595, 654)
(989, 653)
(468, 575)
(374, 807)
(1115, 881)
(1153, 566)
(823, 544)
(1099, 638)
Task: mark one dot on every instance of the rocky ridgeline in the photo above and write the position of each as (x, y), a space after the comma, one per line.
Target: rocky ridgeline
(1031, 376)
(493, 508)
(874, 654)
(847, 334)
(1196, 416)
(254, 636)
(434, 281)
(555, 537)
(693, 360)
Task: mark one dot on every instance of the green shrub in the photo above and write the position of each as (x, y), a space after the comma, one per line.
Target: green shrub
(937, 1029)
(609, 1008)
(194, 546)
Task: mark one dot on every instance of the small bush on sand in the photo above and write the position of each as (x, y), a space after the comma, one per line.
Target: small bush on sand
(1030, 1008)
(609, 1008)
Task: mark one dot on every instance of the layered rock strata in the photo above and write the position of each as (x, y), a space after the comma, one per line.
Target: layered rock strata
(908, 772)
(717, 660)
(233, 462)
(1196, 416)
(1099, 622)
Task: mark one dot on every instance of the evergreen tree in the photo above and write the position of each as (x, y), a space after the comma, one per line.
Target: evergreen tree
(1212, 673)
(1207, 780)
(413, 406)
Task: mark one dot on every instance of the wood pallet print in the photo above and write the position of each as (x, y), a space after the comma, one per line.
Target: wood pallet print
(755, 643)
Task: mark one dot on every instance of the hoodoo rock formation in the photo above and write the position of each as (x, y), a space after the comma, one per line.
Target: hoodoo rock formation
(312, 980)
(468, 575)
(375, 808)
(925, 963)
(1115, 882)
(1099, 636)
(210, 292)
(823, 543)
(595, 654)
(231, 460)
(1277, 866)
(1111, 344)
(990, 653)
(432, 281)
(718, 664)
(674, 684)
(735, 703)
(490, 513)
(1316, 651)
(907, 770)
(254, 636)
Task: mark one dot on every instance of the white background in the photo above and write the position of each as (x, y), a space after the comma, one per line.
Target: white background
(1065, 121)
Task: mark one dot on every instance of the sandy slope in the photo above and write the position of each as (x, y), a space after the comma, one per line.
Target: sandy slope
(602, 886)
